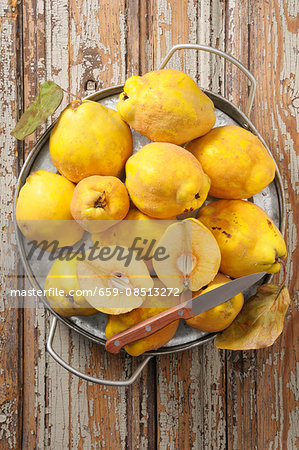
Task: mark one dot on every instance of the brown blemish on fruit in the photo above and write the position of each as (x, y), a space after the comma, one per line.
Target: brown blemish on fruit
(101, 201)
(227, 234)
(270, 223)
(69, 298)
(197, 195)
(125, 96)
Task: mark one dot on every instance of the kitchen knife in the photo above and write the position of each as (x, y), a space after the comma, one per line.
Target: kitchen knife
(186, 310)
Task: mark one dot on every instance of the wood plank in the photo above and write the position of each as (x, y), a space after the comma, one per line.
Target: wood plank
(204, 398)
(236, 44)
(240, 366)
(274, 62)
(34, 358)
(54, 432)
(190, 383)
(71, 418)
(10, 313)
(259, 426)
(114, 417)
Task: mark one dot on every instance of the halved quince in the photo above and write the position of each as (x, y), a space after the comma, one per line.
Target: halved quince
(193, 256)
(63, 291)
(113, 279)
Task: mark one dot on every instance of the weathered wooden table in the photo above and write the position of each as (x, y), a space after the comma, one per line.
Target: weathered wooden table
(203, 398)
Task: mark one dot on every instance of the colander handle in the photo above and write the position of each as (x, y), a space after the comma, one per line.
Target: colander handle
(82, 375)
(224, 55)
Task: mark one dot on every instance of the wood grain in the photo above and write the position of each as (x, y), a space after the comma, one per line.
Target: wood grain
(204, 398)
(11, 381)
(275, 117)
(198, 372)
(240, 366)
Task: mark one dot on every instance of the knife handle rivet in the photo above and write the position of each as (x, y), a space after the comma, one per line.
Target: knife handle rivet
(180, 312)
(148, 328)
(116, 343)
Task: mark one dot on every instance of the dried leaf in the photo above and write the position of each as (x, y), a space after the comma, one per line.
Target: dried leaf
(259, 323)
(48, 99)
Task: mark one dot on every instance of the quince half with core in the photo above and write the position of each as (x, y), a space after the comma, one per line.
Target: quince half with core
(248, 239)
(90, 139)
(220, 317)
(236, 161)
(150, 308)
(62, 279)
(98, 202)
(43, 209)
(115, 278)
(193, 256)
(165, 180)
(166, 106)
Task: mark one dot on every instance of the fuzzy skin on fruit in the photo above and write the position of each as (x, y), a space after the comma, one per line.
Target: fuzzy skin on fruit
(249, 241)
(235, 160)
(43, 206)
(90, 139)
(220, 317)
(62, 276)
(98, 202)
(166, 106)
(165, 180)
(138, 227)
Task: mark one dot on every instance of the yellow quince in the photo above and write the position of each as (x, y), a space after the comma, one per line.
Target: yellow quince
(166, 106)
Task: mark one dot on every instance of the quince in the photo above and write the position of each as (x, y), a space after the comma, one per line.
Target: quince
(90, 139)
(166, 106)
(98, 202)
(235, 160)
(138, 230)
(115, 278)
(248, 239)
(165, 180)
(43, 207)
(193, 256)
(220, 317)
(150, 308)
(62, 277)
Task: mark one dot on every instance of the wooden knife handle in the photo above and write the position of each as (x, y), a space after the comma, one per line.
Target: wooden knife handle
(148, 327)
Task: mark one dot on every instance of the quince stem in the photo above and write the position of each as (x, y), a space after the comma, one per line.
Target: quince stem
(283, 263)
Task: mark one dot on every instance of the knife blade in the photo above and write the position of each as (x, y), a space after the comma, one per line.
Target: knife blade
(221, 294)
(186, 310)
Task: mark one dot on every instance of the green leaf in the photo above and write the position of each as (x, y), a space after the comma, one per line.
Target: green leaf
(49, 98)
(259, 323)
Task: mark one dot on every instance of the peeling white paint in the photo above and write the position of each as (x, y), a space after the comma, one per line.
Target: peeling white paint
(65, 410)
